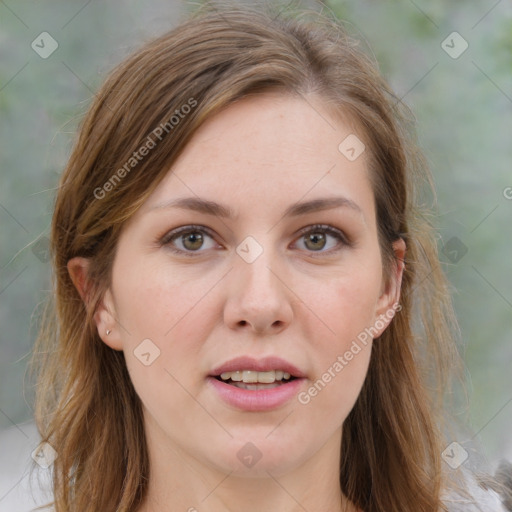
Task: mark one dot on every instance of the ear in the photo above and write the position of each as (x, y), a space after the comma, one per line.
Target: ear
(388, 302)
(105, 315)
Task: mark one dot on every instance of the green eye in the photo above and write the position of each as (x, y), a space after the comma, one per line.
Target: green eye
(190, 240)
(316, 238)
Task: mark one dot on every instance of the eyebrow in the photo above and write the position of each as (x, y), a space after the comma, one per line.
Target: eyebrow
(212, 208)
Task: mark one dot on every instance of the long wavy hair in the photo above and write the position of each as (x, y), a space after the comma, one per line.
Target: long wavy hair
(86, 405)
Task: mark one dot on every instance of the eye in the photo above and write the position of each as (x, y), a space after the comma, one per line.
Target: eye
(190, 238)
(316, 238)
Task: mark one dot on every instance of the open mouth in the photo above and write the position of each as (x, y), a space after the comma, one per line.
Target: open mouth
(254, 381)
(254, 390)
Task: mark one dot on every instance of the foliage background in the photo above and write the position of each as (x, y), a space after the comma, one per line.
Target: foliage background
(463, 108)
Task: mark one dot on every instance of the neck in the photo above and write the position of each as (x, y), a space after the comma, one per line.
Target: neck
(178, 481)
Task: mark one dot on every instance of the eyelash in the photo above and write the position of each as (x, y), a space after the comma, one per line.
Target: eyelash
(316, 228)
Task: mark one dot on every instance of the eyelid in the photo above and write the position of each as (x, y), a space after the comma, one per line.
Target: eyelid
(169, 235)
(330, 230)
(344, 240)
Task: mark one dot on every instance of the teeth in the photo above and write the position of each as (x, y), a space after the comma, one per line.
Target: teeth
(252, 377)
(235, 376)
(255, 387)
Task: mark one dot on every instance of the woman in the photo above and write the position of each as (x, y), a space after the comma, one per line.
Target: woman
(250, 312)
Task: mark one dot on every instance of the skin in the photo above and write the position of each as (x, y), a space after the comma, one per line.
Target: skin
(304, 302)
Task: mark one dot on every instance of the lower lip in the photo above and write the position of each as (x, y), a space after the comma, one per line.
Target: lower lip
(257, 400)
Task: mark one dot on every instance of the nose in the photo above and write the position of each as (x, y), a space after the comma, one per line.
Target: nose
(259, 299)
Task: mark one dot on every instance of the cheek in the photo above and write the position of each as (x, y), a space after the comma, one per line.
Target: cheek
(345, 305)
(161, 305)
(341, 365)
(176, 315)
(168, 315)
(342, 342)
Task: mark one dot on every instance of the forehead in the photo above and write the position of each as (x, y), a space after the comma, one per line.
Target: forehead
(266, 150)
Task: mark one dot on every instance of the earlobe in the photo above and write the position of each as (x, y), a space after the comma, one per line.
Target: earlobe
(104, 316)
(108, 328)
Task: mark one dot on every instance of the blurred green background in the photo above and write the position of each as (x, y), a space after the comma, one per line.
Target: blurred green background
(463, 108)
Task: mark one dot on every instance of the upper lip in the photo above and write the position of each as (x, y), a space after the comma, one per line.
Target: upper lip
(264, 364)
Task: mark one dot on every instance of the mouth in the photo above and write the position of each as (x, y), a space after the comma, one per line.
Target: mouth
(254, 380)
(252, 384)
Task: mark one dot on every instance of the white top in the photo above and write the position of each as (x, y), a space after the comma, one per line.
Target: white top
(484, 500)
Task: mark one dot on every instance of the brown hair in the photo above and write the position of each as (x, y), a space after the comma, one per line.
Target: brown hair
(87, 407)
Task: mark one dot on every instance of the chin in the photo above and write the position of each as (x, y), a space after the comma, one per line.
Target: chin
(257, 456)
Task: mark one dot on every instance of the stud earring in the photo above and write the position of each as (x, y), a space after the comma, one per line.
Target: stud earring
(108, 331)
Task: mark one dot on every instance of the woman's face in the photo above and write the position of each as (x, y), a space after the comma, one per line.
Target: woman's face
(265, 285)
